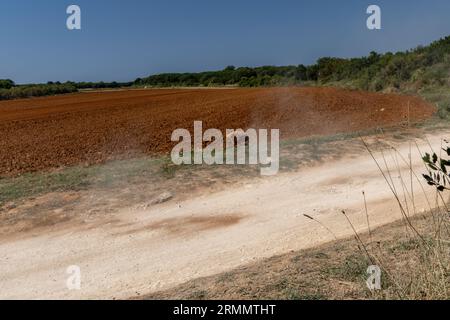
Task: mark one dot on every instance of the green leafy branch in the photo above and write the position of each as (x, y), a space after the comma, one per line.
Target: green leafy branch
(438, 170)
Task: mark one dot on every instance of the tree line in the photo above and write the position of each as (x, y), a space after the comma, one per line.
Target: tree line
(412, 70)
(9, 90)
(420, 67)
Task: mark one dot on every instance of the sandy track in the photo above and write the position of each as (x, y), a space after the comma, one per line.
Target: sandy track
(145, 251)
(88, 128)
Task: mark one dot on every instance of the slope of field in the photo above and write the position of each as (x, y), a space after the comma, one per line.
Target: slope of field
(89, 128)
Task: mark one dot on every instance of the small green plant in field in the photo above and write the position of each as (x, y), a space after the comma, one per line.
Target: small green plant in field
(32, 184)
(444, 109)
(112, 174)
(440, 96)
(352, 269)
(406, 245)
(293, 294)
(200, 294)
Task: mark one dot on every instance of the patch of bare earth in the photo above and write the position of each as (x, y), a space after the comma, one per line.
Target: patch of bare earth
(91, 128)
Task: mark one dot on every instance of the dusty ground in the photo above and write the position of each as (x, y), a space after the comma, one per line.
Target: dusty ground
(90, 128)
(144, 250)
(336, 270)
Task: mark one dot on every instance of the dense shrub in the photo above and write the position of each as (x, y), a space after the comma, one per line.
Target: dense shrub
(421, 67)
(6, 84)
(8, 90)
(26, 91)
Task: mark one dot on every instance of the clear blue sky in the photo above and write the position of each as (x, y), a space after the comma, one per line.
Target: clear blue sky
(122, 40)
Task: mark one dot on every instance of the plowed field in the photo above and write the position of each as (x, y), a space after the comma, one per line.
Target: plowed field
(87, 128)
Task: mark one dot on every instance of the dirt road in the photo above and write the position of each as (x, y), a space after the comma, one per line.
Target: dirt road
(145, 251)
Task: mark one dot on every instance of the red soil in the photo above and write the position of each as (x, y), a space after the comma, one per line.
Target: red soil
(88, 128)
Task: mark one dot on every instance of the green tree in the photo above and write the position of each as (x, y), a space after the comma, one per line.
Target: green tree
(6, 84)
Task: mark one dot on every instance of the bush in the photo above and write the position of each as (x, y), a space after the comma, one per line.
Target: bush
(27, 91)
(6, 84)
(418, 68)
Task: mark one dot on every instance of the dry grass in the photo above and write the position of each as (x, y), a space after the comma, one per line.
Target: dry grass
(337, 270)
(429, 275)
